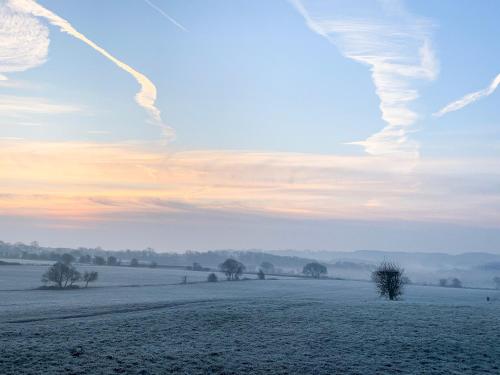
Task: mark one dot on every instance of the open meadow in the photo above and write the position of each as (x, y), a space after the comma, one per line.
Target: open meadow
(139, 324)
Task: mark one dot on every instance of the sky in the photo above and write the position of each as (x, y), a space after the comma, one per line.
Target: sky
(234, 124)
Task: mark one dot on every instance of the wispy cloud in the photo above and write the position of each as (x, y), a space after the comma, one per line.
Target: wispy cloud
(24, 42)
(146, 97)
(15, 106)
(98, 132)
(470, 98)
(395, 45)
(164, 14)
(121, 179)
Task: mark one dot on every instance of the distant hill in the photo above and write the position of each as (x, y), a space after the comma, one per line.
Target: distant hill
(212, 259)
(472, 268)
(424, 260)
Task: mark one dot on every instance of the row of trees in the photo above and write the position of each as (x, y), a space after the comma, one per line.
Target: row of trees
(451, 283)
(234, 269)
(388, 277)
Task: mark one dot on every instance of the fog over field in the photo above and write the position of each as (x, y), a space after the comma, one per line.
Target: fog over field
(150, 317)
(247, 187)
(252, 326)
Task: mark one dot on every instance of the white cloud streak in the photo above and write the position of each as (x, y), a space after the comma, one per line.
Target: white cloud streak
(17, 105)
(144, 178)
(470, 98)
(164, 14)
(146, 97)
(24, 43)
(397, 48)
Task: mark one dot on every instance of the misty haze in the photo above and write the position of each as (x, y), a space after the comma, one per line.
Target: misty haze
(249, 187)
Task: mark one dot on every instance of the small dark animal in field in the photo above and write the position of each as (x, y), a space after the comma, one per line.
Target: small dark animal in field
(76, 351)
(488, 299)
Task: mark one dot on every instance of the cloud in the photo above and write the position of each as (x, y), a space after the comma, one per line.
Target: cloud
(15, 106)
(469, 98)
(125, 181)
(395, 45)
(24, 42)
(146, 97)
(164, 14)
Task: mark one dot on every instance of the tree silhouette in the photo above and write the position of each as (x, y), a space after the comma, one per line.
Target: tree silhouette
(232, 269)
(314, 270)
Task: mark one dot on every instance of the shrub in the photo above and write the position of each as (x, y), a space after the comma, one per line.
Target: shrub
(456, 283)
(112, 261)
(232, 269)
(261, 275)
(67, 258)
(62, 275)
(314, 270)
(443, 282)
(85, 259)
(134, 263)
(99, 261)
(89, 277)
(212, 278)
(388, 278)
(197, 267)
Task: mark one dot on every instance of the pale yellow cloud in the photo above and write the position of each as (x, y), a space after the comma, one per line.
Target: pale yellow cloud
(90, 181)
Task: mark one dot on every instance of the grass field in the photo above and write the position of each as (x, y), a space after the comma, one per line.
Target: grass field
(293, 326)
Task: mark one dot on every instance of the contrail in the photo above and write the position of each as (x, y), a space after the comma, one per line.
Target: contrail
(146, 97)
(162, 12)
(396, 47)
(470, 98)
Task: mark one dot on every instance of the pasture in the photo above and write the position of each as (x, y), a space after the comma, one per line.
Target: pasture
(142, 321)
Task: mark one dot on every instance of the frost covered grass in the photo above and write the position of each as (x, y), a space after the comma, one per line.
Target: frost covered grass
(252, 327)
(28, 277)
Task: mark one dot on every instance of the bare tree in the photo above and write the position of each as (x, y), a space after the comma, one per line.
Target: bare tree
(232, 269)
(197, 266)
(267, 267)
(67, 258)
(86, 258)
(72, 276)
(112, 261)
(456, 283)
(134, 263)
(62, 275)
(89, 277)
(388, 278)
(55, 274)
(99, 261)
(314, 270)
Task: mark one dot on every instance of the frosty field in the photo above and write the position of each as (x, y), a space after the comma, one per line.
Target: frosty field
(138, 324)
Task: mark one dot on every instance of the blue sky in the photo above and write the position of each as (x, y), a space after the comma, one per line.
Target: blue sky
(265, 99)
